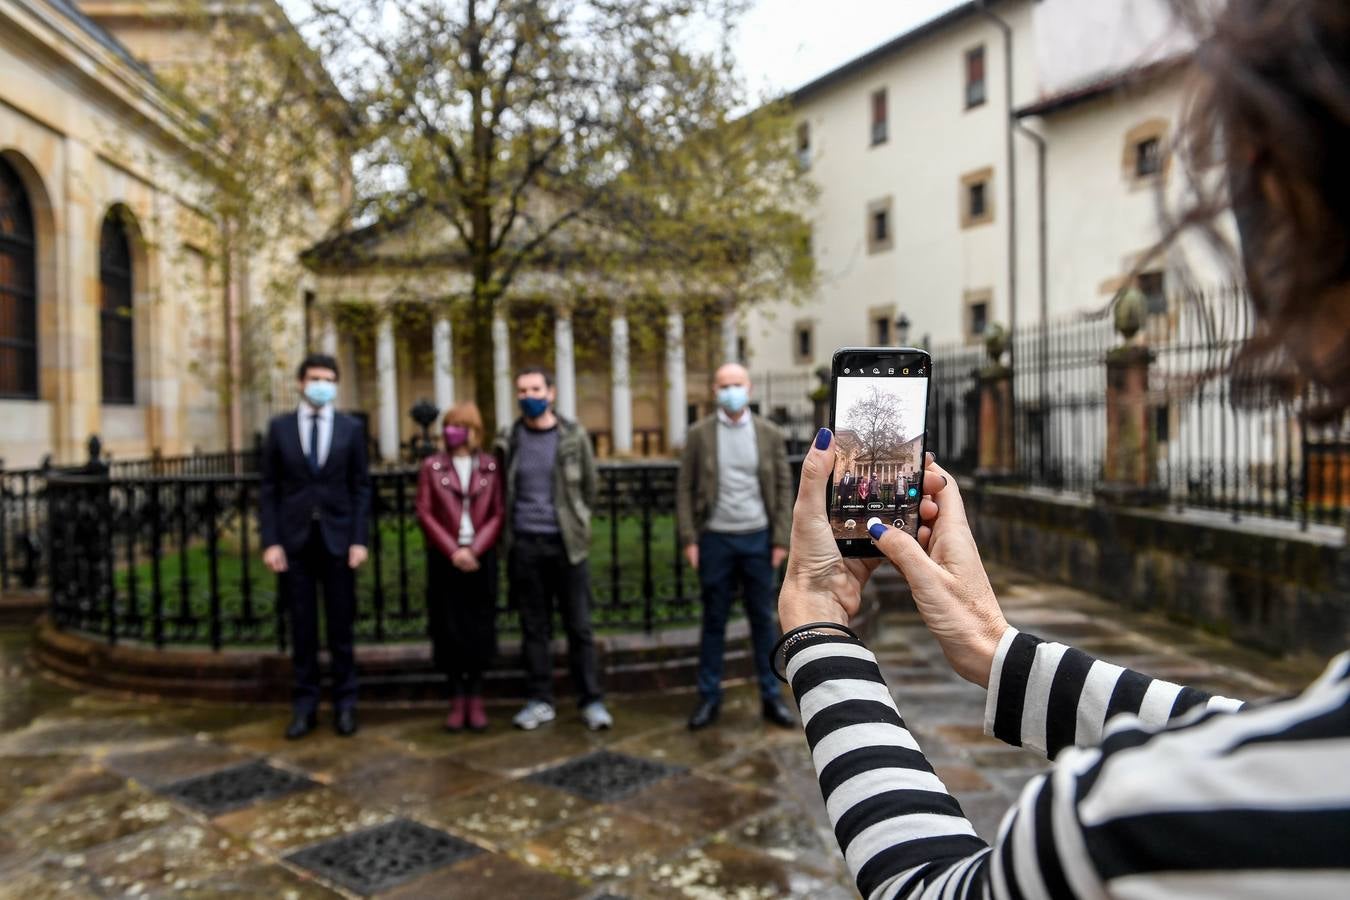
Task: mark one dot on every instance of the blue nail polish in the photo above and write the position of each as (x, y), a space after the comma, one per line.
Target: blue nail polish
(823, 439)
(876, 531)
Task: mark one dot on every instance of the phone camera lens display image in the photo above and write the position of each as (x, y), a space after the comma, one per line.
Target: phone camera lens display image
(879, 418)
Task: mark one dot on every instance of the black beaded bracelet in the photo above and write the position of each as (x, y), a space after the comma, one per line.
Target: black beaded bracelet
(795, 635)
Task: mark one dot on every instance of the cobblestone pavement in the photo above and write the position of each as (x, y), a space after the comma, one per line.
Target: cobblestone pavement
(104, 796)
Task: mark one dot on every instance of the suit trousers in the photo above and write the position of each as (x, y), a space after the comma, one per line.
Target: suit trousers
(313, 566)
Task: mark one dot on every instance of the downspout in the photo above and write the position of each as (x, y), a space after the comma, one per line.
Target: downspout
(1009, 166)
(1042, 281)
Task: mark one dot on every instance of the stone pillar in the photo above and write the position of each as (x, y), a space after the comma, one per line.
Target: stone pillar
(997, 458)
(328, 336)
(621, 410)
(503, 390)
(677, 394)
(565, 362)
(77, 412)
(730, 333)
(1130, 465)
(443, 355)
(386, 373)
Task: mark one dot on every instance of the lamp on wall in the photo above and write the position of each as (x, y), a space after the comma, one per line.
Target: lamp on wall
(902, 329)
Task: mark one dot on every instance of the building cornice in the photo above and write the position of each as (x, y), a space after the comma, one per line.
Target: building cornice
(104, 64)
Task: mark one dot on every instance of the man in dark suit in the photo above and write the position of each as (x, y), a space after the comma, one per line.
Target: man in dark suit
(848, 485)
(315, 498)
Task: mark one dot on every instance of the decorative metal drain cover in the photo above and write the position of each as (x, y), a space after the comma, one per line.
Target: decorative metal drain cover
(237, 786)
(379, 858)
(604, 776)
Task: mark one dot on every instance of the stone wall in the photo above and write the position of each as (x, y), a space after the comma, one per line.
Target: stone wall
(1265, 584)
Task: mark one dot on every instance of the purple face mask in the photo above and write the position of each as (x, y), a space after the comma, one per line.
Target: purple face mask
(456, 436)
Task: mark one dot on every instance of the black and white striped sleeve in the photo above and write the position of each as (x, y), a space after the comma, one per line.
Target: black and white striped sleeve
(1213, 805)
(1046, 696)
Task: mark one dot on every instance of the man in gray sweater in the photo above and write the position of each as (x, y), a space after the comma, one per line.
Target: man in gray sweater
(734, 504)
(550, 490)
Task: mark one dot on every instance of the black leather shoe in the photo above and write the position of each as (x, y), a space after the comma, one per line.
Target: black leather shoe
(704, 714)
(301, 725)
(777, 712)
(345, 722)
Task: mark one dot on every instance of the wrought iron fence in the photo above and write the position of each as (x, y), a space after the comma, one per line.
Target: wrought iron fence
(1219, 440)
(176, 559)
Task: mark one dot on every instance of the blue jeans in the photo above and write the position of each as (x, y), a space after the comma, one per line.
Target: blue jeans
(724, 559)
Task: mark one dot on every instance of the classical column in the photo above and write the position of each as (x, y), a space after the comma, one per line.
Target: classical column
(443, 353)
(387, 376)
(564, 360)
(501, 371)
(676, 393)
(621, 413)
(729, 335)
(328, 336)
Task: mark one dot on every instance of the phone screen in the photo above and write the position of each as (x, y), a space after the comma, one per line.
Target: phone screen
(879, 411)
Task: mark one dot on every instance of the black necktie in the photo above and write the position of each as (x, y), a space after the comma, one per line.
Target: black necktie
(314, 442)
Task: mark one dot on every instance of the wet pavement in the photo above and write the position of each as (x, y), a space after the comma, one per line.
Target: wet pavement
(105, 796)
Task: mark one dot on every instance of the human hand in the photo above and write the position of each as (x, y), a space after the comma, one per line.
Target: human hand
(691, 554)
(776, 558)
(949, 583)
(356, 555)
(274, 557)
(464, 560)
(820, 585)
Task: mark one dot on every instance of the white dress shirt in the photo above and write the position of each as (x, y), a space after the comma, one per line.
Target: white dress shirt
(305, 420)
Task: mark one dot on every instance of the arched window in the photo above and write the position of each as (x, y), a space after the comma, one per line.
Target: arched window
(115, 282)
(18, 290)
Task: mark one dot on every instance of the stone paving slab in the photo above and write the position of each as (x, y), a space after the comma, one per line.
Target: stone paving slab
(738, 814)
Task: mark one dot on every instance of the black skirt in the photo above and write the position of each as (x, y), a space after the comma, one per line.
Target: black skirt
(462, 613)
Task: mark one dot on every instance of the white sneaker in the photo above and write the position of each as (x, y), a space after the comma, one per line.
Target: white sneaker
(534, 714)
(596, 716)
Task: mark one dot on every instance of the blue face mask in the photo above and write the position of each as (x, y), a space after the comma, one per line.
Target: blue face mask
(733, 398)
(533, 407)
(320, 393)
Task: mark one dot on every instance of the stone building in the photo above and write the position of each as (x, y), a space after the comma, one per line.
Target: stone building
(121, 313)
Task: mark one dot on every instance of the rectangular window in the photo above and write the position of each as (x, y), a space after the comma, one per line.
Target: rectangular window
(879, 117)
(878, 223)
(804, 145)
(978, 304)
(1153, 286)
(1147, 157)
(741, 349)
(977, 201)
(975, 76)
(803, 342)
(881, 331)
(309, 320)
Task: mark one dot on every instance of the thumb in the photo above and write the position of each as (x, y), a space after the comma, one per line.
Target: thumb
(904, 551)
(816, 468)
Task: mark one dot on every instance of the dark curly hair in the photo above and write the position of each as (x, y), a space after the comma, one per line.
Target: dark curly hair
(1267, 134)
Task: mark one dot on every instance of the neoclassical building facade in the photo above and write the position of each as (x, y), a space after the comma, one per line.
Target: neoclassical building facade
(119, 315)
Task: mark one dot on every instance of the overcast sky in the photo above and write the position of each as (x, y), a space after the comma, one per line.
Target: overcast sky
(783, 44)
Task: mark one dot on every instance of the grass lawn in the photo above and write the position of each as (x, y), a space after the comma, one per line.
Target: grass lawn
(397, 610)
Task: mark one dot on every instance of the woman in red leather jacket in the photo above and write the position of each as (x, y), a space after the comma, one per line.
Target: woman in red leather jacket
(460, 507)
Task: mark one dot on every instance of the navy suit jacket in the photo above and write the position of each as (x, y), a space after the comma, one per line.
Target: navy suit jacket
(339, 493)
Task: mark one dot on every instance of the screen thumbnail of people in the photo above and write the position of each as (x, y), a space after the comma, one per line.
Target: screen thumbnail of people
(879, 429)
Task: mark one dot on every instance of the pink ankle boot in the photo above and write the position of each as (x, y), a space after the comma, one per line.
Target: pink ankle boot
(455, 721)
(477, 714)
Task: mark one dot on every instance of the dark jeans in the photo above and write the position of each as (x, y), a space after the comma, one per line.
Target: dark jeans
(305, 571)
(724, 559)
(462, 619)
(540, 576)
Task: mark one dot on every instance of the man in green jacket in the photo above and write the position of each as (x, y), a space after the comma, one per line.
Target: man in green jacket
(550, 489)
(733, 500)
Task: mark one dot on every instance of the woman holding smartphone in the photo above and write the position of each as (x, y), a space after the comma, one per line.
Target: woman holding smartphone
(460, 508)
(1158, 790)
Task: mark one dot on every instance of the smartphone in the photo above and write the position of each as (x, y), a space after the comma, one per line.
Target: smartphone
(878, 413)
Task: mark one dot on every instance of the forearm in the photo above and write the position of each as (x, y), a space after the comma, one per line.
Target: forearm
(1046, 696)
(892, 815)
